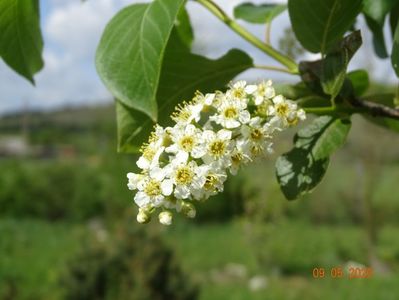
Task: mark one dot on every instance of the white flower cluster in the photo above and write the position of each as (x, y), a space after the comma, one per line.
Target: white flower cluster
(213, 134)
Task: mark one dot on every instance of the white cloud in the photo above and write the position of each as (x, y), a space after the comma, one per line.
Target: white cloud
(76, 27)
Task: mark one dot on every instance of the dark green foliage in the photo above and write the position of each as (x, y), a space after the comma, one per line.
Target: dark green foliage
(301, 169)
(395, 52)
(319, 25)
(336, 62)
(133, 265)
(359, 80)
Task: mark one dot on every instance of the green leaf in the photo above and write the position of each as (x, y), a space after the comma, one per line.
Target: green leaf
(182, 74)
(360, 81)
(375, 12)
(183, 27)
(378, 9)
(393, 18)
(21, 42)
(387, 100)
(130, 125)
(378, 37)
(395, 51)
(318, 25)
(258, 14)
(336, 62)
(302, 168)
(130, 54)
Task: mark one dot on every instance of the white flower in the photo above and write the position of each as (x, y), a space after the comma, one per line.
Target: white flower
(153, 150)
(214, 180)
(295, 116)
(143, 216)
(186, 140)
(150, 157)
(284, 112)
(186, 176)
(204, 100)
(240, 155)
(239, 91)
(263, 91)
(187, 113)
(133, 180)
(153, 188)
(218, 147)
(231, 114)
(258, 137)
(165, 218)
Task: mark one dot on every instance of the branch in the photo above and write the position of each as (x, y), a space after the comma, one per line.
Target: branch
(269, 50)
(375, 109)
(272, 68)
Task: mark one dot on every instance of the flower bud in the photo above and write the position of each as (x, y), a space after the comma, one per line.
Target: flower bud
(143, 216)
(188, 209)
(165, 218)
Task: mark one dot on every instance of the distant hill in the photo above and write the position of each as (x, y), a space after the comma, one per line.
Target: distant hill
(69, 118)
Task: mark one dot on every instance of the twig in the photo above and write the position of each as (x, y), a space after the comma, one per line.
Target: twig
(272, 68)
(288, 62)
(375, 109)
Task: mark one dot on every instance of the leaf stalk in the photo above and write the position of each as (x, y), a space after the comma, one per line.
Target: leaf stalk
(288, 62)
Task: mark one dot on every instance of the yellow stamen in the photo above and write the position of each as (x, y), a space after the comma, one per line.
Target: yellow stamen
(230, 112)
(187, 143)
(184, 175)
(217, 148)
(153, 188)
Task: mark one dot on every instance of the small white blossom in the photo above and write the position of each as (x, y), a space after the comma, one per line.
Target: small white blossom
(153, 188)
(186, 176)
(143, 216)
(231, 114)
(134, 179)
(214, 180)
(186, 140)
(150, 156)
(218, 147)
(258, 137)
(283, 112)
(239, 91)
(241, 155)
(165, 218)
(187, 113)
(263, 91)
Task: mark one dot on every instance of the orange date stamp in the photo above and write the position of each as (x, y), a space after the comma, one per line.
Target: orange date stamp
(342, 273)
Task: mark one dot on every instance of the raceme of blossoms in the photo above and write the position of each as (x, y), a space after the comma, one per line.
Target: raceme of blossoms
(214, 134)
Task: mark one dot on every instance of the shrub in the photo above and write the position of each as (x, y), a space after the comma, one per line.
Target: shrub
(135, 265)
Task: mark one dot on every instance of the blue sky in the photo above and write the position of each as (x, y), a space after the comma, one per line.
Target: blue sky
(72, 29)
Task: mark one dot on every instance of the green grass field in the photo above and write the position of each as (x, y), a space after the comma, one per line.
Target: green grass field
(209, 253)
